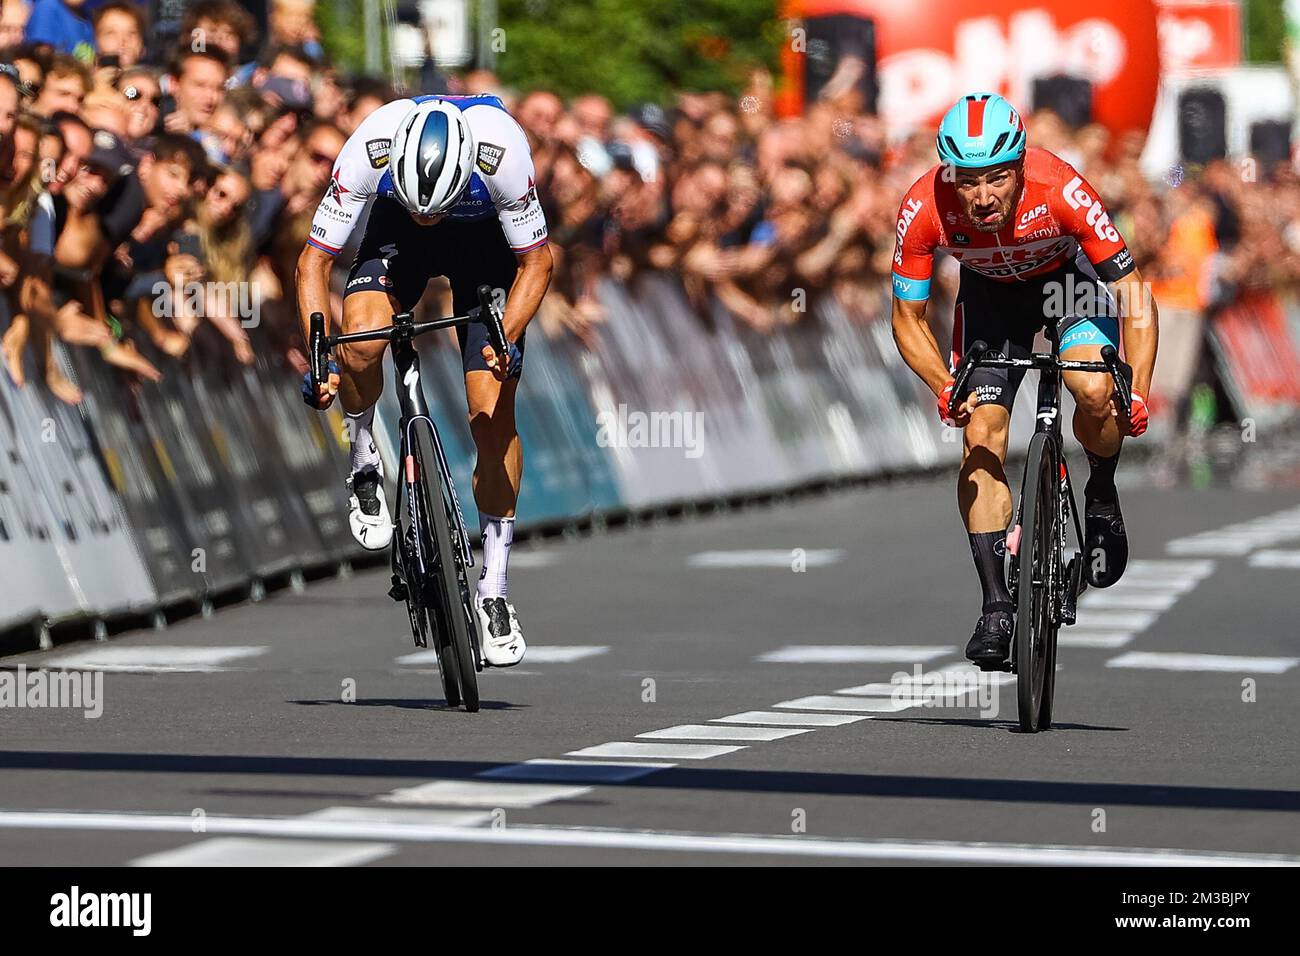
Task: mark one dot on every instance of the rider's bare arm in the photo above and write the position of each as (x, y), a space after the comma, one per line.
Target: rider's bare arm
(1140, 327)
(531, 283)
(313, 286)
(917, 344)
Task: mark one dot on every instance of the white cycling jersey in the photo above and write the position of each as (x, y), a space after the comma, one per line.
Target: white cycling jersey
(502, 183)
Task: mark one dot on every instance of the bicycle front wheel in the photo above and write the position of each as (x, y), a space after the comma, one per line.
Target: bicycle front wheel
(449, 581)
(1035, 636)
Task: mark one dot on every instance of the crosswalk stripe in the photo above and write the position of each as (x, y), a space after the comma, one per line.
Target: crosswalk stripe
(766, 558)
(1116, 620)
(655, 751)
(403, 815)
(704, 732)
(1273, 558)
(1129, 599)
(245, 851)
(478, 793)
(577, 771)
(536, 654)
(1203, 662)
(867, 705)
(853, 654)
(1081, 637)
(154, 659)
(789, 720)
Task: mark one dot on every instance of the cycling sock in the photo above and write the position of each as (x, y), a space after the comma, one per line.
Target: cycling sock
(497, 533)
(1101, 477)
(364, 453)
(989, 548)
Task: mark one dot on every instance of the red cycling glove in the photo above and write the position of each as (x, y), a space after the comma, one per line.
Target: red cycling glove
(945, 397)
(1137, 415)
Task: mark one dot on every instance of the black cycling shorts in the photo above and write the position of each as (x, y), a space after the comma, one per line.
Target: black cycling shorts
(1007, 315)
(399, 256)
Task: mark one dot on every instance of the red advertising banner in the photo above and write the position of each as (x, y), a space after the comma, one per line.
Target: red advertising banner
(1255, 338)
(1199, 34)
(930, 52)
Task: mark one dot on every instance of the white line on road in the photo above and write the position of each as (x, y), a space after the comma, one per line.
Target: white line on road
(477, 793)
(536, 654)
(1070, 637)
(408, 815)
(576, 771)
(854, 654)
(1203, 662)
(770, 558)
(654, 751)
(153, 659)
(1134, 621)
(887, 849)
(240, 851)
(705, 732)
(862, 705)
(790, 720)
(1131, 598)
(1274, 558)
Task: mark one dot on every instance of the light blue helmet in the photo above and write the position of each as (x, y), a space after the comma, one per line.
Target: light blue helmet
(981, 129)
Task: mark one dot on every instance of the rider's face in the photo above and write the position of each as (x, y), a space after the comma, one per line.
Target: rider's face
(432, 220)
(988, 195)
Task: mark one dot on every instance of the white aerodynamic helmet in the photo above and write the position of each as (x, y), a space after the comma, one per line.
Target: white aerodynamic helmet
(432, 157)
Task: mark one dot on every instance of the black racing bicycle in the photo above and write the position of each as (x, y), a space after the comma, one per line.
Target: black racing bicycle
(431, 551)
(1044, 586)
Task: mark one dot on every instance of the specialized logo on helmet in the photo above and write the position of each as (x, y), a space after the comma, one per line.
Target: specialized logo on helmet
(1080, 198)
(905, 217)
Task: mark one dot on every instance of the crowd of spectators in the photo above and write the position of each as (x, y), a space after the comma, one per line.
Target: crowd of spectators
(132, 163)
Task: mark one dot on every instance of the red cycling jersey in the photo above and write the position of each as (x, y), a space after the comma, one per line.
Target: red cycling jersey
(1057, 217)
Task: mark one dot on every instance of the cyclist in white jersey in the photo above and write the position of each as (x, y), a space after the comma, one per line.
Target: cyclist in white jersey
(451, 179)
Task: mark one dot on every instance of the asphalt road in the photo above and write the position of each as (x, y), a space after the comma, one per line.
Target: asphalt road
(229, 740)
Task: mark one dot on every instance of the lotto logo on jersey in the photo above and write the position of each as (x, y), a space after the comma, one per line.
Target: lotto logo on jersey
(905, 217)
(1097, 218)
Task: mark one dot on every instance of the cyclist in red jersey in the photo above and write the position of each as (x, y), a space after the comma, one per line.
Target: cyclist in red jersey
(1035, 245)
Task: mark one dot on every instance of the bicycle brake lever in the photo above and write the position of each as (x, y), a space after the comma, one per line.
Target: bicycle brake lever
(490, 317)
(316, 345)
(1122, 391)
(964, 372)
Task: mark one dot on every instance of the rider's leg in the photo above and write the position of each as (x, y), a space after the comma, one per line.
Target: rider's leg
(361, 372)
(1096, 426)
(497, 472)
(984, 498)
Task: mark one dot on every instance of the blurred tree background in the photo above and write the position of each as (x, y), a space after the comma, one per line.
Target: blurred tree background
(634, 50)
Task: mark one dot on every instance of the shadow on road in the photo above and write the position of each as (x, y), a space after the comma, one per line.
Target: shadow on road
(679, 778)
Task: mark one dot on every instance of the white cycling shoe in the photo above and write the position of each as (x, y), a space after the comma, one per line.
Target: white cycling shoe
(503, 641)
(368, 516)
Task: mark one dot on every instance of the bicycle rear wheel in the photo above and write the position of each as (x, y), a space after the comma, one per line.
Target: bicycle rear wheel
(1035, 636)
(448, 582)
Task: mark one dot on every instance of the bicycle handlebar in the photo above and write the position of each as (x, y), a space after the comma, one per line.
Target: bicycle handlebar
(975, 359)
(403, 326)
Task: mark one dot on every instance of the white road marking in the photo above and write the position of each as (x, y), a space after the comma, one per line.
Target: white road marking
(477, 793)
(153, 659)
(789, 720)
(886, 849)
(654, 751)
(1272, 558)
(770, 558)
(1132, 598)
(1082, 637)
(920, 690)
(868, 705)
(854, 654)
(705, 732)
(407, 815)
(1134, 621)
(610, 771)
(531, 559)
(241, 851)
(1144, 567)
(536, 654)
(561, 653)
(1204, 662)
(1242, 537)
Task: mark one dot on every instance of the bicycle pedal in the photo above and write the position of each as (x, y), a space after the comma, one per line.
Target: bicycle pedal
(1003, 667)
(398, 591)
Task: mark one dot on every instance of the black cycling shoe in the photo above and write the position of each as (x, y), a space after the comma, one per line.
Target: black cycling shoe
(1106, 554)
(990, 645)
(365, 485)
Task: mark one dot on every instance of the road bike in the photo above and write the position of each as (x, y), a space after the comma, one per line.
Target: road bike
(431, 554)
(1044, 586)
